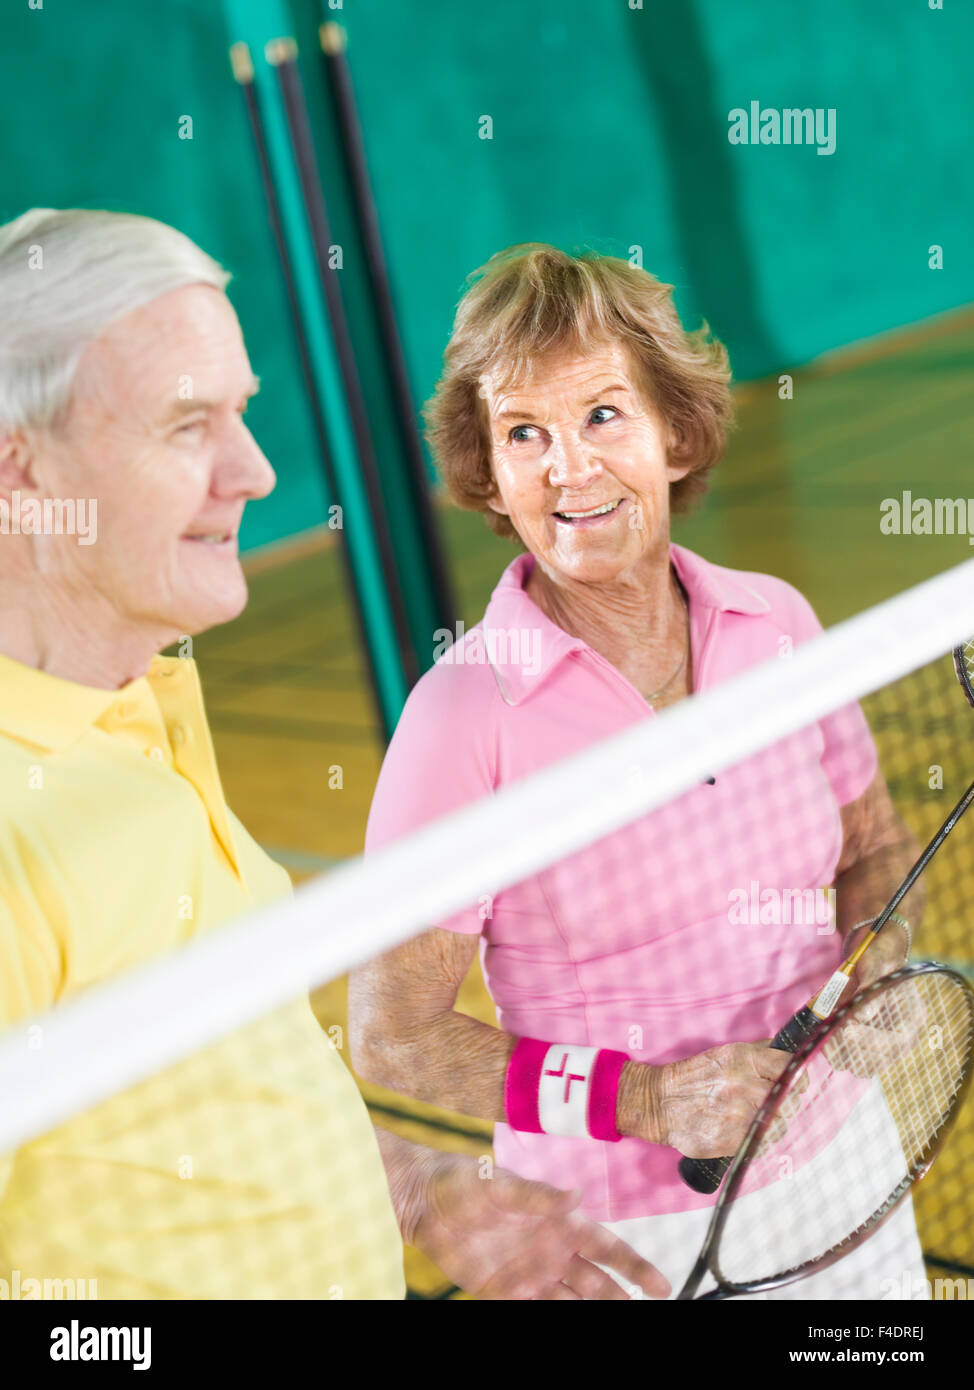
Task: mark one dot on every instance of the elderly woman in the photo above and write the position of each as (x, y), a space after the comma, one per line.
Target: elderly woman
(577, 415)
(251, 1170)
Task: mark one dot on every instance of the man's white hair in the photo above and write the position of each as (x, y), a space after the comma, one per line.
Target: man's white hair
(65, 275)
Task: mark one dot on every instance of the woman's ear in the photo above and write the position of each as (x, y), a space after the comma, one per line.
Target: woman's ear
(496, 505)
(676, 467)
(494, 501)
(676, 471)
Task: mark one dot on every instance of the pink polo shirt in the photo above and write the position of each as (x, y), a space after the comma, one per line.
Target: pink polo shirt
(704, 922)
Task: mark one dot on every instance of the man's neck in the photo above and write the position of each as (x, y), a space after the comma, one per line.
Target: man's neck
(89, 648)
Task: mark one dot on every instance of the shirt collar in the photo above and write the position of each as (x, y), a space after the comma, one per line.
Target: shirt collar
(713, 586)
(51, 713)
(523, 645)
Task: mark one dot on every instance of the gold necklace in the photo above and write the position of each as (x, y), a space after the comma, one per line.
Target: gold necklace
(686, 652)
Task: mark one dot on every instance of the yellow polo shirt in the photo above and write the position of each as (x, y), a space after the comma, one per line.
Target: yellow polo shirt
(250, 1170)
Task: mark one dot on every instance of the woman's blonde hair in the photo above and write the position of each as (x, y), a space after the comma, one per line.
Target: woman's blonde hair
(532, 300)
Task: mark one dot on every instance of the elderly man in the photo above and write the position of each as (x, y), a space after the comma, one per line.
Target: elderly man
(251, 1170)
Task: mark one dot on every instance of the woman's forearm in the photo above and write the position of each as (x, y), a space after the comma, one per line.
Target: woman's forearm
(406, 1035)
(456, 1062)
(702, 1104)
(462, 1065)
(865, 888)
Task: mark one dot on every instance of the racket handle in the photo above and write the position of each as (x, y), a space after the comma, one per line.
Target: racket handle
(796, 1031)
(706, 1174)
(703, 1174)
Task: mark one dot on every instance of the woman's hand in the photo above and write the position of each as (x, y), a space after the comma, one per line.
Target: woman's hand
(501, 1237)
(886, 953)
(703, 1105)
(882, 1030)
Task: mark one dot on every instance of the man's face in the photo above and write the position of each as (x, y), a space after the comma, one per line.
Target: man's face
(155, 433)
(577, 436)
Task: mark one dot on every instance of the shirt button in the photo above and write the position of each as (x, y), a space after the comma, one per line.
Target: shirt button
(157, 754)
(177, 735)
(125, 708)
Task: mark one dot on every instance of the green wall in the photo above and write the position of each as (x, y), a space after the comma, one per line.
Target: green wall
(610, 129)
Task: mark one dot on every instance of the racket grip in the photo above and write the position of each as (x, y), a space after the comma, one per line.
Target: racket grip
(703, 1174)
(706, 1174)
(796, 1031)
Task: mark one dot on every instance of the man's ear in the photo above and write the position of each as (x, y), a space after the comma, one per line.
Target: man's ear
(16, 461)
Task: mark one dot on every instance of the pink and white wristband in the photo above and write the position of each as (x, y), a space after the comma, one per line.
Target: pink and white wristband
(562, 1088)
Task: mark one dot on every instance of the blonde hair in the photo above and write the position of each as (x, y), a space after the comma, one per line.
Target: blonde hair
(531, 300)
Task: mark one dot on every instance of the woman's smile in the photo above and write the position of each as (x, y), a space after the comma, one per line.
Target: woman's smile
(585, 518)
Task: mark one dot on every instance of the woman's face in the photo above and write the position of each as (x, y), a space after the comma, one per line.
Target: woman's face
(580, 462)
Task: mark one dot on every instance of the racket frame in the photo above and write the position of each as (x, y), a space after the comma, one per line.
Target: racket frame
(963, 664)
(735, 1174)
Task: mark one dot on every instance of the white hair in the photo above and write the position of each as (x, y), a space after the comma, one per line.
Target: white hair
(65, 275)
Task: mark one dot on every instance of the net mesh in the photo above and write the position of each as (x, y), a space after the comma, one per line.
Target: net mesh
(669, 886)
(925, 738)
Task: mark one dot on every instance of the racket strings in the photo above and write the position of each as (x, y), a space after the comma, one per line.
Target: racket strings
(864, 1115)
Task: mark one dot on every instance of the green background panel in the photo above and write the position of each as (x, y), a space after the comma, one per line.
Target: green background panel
(609, 131)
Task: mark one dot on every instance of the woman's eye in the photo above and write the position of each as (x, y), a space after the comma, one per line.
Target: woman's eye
(520, 434)
(605, 410)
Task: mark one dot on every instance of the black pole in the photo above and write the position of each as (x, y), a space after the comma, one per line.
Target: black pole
(332, 38)
(282, 53)
(243, 71)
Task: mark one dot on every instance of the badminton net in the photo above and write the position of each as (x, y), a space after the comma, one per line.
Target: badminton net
(191, 1129)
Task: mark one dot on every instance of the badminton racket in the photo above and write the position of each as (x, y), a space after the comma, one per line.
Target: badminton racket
(857, 1116)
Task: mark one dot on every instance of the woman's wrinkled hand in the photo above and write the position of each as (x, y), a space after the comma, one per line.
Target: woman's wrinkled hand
(704, 1105)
